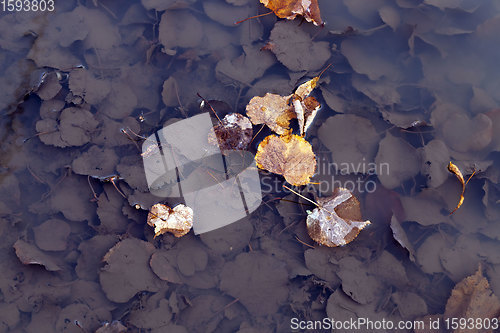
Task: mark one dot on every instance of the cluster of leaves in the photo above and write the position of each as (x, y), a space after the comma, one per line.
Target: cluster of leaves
(288, 155)
(413, 90)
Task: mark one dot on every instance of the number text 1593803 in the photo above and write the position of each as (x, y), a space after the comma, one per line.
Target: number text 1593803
(27, 5)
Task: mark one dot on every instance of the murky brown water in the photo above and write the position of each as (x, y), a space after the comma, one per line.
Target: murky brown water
(413, 85)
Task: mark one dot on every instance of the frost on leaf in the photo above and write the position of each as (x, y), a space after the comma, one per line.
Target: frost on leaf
(288, 155)
(272, 110)
(234, 132)
(335, 221)
(177, 220)
(289, 9)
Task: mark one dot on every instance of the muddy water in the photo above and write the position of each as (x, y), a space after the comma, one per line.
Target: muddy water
(412, 86)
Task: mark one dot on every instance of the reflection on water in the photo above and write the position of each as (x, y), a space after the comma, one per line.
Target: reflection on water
(413, 86)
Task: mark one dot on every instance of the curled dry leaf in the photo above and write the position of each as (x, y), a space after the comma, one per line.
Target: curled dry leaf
(288, 155)
(289, 9)
(177, 220)
(305, 107)
(234, 132)
(306, 88)
(272, 110)
(456, 171)
(335, 221)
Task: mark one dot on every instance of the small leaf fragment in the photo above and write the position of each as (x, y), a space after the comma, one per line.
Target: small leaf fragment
(288, 155)
(177, 220)
(335, 222)
(306, 88)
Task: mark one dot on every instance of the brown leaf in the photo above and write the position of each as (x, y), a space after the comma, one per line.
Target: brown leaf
(296, 49)
(288, 155)
(257, 280)
(272, 110)
(31, 255)
(126, 270)
(472, 298)
(289, 9)
(234, 132)
(336, 220)
(177, 220)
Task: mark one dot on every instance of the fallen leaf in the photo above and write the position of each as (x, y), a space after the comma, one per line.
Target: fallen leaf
(295, 48)
(306, 88)
(311, 107)
(305, 107)
(410, 305)
(96, 162)
(289, 9)
(465, 134)
(234, 132)
(126, 270)
(245, 68)
(400, 236)
(357, 282)
(272, 110)
(224, 13)
(257, 280)
(335, 221)
(434, 156)
(91, 253)
(472, 298)
(84, 83)
(177, 220)
(288, 155)
(74, 128)
(52, 235)
(163, 265)
(179, 29)
(30, 255)
(352, 141)
(456, 171)
(50, 86)
(402, 159)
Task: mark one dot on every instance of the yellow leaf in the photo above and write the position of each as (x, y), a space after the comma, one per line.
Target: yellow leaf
(289, 9)
(288, 155)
